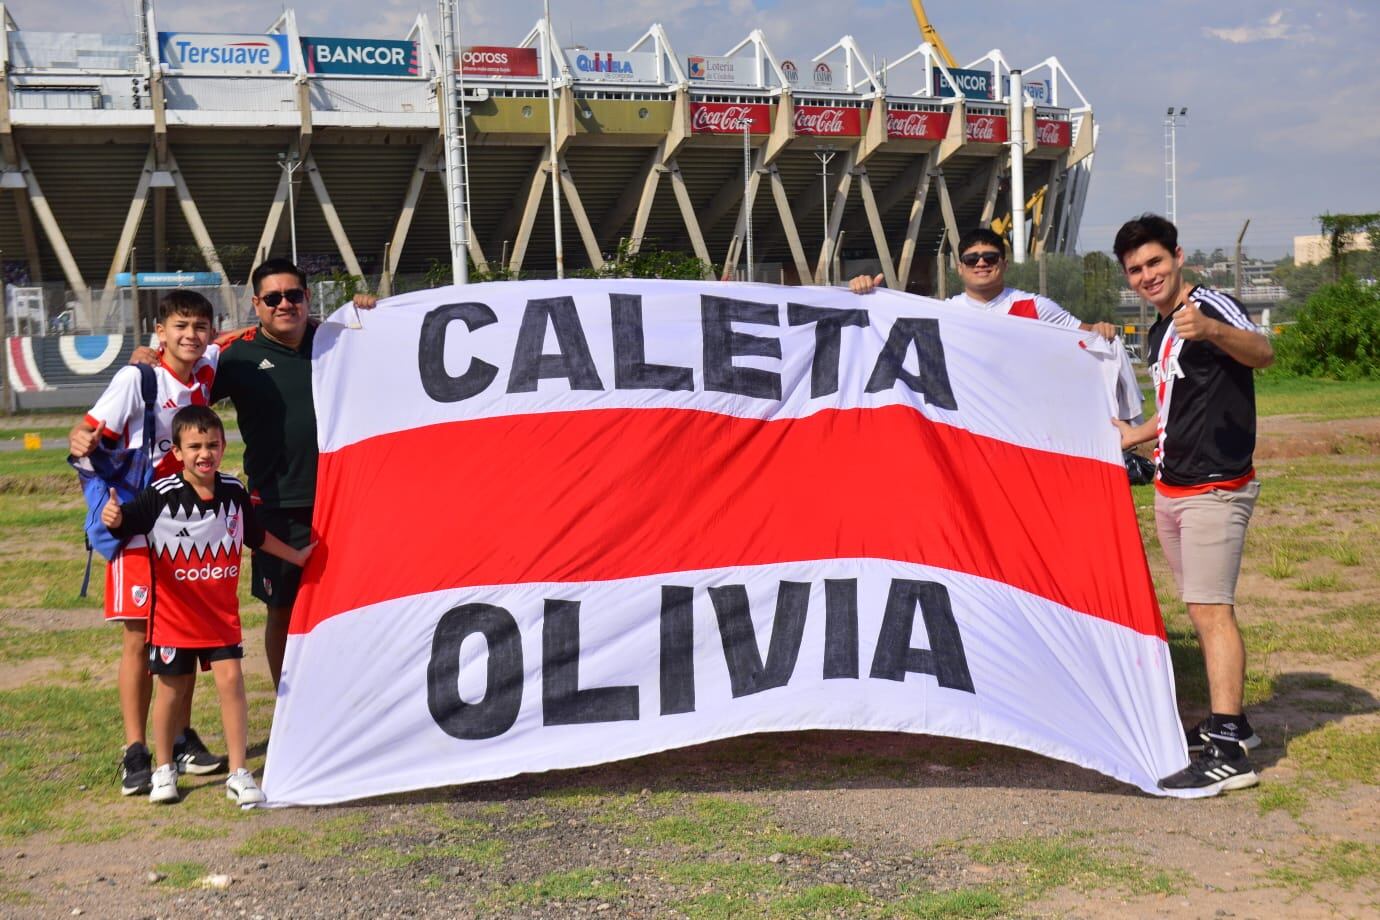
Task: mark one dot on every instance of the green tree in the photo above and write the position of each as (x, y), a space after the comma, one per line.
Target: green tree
(1340, 230)
(1336, 334)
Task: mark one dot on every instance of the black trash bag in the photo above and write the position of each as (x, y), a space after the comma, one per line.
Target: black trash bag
(1140, 471)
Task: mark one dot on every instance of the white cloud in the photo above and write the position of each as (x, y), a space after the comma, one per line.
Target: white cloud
(1274, 28)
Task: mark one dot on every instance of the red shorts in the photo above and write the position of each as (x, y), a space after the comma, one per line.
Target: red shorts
(129, 584)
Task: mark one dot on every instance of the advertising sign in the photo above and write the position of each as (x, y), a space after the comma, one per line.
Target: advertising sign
(727, 118)
(987, 129)
(917, 126)
(208, 52)
(1051, 133)
(721, 70)
(972, 84)
(367, 56)
(1041, 92)
(822, 77)
(791, 71)
(828, 121)
(612, 66)
(496, 61)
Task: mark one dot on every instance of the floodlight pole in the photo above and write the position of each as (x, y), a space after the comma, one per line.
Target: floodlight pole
(824, 155)
(1171, 163)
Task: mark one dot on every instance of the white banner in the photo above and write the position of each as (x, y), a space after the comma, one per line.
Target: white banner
(612, 66)
(593, 520)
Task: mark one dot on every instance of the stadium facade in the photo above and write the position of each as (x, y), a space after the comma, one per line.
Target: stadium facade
(129, 158)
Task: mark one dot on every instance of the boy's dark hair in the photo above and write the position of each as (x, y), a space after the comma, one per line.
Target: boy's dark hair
(277, 267)
(185, 303)
(1148, 228)
(196, 418)
(981, 235)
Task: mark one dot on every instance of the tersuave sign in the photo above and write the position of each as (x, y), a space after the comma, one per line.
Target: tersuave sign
(698, 510)
(363, 56)
(224, 53)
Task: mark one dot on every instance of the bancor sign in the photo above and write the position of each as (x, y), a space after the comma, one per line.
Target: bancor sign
(367, 56)
(211, 52)
(973, 84)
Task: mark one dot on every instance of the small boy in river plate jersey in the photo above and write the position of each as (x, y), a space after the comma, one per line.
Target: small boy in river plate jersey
(196, 522)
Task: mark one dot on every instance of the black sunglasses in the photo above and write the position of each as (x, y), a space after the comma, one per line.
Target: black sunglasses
(293, 295)
(989, 256)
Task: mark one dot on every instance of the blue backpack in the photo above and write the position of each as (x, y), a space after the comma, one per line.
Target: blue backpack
(126, 470)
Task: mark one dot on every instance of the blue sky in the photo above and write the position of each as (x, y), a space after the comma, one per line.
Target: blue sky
(1284, 110)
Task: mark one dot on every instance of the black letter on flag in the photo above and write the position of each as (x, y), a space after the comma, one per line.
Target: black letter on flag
(630, 368)
(746, 673)
(932, 382)
(563, 702)
(431, 353)
(829, 323)
(496, 713)
(677, 650)
(944, 658)
(572, 360)
(840, 627)
(722, 345)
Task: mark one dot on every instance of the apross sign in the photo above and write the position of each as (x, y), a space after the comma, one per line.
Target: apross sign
(497, 61)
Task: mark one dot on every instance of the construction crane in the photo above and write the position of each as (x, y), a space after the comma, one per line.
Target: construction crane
(930, 35)
(1002, 225)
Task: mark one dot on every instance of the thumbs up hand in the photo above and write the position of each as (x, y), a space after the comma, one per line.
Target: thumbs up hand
(111, 515)
(865, 284)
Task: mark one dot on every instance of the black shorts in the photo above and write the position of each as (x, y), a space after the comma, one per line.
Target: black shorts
(178, 662)
(272, 580)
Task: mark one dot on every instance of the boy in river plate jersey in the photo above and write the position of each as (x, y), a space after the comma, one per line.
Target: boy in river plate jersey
(196, 522)
(1203, 350)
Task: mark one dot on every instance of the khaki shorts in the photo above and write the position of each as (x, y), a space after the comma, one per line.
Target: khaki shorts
(1203, 536)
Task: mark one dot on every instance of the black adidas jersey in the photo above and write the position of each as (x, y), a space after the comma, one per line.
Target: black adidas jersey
(195, 548)
(1205, 398)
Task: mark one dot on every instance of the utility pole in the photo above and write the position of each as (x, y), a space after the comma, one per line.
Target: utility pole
(824, 155)
(551, 125)
(290, 163)
(1241, 236)
(1017, 108)
(455, 155)
(746, 125)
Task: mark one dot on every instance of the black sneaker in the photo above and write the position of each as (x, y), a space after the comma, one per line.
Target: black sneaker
(1196, 735)
(1214, 772)
(136, 770)
(191, 756)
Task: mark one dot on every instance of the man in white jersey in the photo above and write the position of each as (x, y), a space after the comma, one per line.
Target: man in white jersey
(982, 267)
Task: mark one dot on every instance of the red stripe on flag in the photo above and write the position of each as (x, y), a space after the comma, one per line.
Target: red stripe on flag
(611, 494)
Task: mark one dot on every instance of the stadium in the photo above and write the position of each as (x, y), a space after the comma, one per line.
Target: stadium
(135, 161)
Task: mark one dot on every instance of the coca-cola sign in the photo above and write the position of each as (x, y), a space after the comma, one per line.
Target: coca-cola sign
(916, 126)
(827, 121)
(1050, 133)
(986, 129)
(728, 117)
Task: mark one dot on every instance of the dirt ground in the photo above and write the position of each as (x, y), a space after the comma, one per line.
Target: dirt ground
(914, 811)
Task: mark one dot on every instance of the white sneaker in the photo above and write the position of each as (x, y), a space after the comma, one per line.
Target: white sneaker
(165, 785)
(241, 789)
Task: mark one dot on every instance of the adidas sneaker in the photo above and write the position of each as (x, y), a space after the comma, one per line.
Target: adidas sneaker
(1213, 772)
(136, 770)
(241, 789)
(191, 756)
